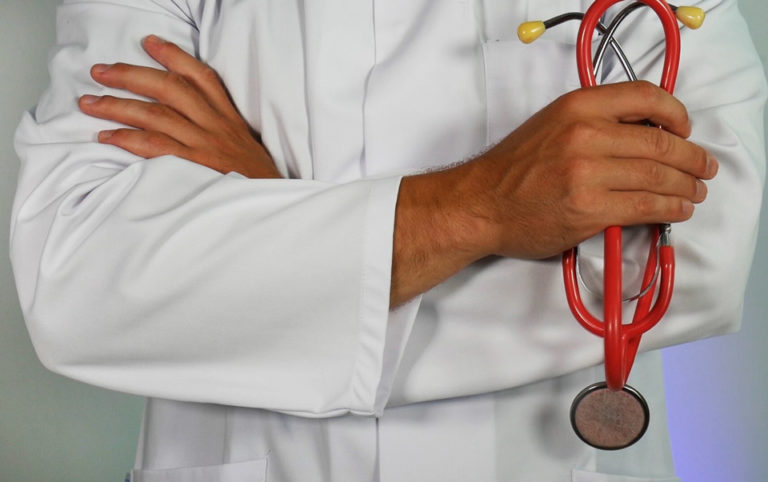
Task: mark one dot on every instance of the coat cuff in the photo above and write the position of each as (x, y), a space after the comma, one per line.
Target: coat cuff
(383, 332)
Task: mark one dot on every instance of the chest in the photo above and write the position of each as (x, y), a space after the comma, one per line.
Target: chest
(342, 89)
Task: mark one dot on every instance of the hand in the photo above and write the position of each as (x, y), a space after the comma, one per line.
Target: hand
(192, 116)
(576, 167)
(584, 163)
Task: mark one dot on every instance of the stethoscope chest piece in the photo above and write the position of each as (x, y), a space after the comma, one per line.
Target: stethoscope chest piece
(609, 419)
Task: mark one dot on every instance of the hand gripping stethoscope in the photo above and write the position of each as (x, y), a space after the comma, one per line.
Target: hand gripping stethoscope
(611, 415)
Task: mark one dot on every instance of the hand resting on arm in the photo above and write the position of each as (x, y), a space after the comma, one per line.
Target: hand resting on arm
(577, 166)
(192, 118)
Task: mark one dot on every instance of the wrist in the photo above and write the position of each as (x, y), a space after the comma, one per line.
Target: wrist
(439, 230)
(455, 204)
(472, 206)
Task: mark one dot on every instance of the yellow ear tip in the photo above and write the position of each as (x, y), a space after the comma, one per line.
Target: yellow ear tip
(692, 17)
(527, 32)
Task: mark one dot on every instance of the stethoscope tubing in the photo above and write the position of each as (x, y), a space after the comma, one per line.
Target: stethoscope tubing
(621, 341)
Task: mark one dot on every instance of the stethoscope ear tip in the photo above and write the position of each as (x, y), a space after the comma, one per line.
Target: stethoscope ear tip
(691, 17)
(527, 32)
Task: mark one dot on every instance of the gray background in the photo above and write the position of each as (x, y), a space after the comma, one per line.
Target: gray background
(53, 429)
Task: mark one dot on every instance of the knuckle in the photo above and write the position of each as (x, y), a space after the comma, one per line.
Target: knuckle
(661, 142)
(646, 91)
(571, 101)
(577, 173)
(645, 205)
(654, 174)
(173, 84)
(155, 109)
(209, 75)
(155, 141)
(107, 102)
(579, 133)
(119, 68)
(577, 207)
(119, 136)
(175, 79)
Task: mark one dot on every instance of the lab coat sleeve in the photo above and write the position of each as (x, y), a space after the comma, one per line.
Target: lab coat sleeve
(722, 83)
(163, 278)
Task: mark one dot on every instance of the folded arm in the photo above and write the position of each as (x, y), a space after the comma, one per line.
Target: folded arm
(575, 168)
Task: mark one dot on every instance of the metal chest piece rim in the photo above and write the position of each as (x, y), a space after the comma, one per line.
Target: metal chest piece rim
(609, 419)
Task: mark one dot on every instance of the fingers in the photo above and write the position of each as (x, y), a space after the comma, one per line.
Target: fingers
(605, 123)
(635, 102)
(188, 85)
(146, 144)
(629, 141)
(149, 116)
(173, 58)
(167, 88)
(641, 175)
(633, 208)
(192, 116)
(625, 192)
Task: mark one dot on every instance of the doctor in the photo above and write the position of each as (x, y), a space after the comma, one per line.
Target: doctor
(301, 304)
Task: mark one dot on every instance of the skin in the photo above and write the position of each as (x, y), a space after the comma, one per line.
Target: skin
(581, 164)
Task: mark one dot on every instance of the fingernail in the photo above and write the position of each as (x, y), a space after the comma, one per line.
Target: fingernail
(89, 99)
(701, 190)
(105, 135)
(712, 165)
(101, 68)
(687, 208)
(154, 39)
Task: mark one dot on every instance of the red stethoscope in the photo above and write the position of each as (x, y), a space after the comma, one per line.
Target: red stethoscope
(611, 415)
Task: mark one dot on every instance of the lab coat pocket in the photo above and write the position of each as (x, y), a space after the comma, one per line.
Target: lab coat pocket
(251, 471)
(522, 79)
(587, 476)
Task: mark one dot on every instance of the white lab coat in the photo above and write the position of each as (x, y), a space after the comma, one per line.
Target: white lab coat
(254, 313)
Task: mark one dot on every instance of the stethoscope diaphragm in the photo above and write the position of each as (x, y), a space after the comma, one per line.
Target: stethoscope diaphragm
(609, 419)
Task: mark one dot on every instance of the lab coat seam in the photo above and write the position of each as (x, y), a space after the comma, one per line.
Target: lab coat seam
(368, 77)
(484, 57)
(307, 74)
(225, 443)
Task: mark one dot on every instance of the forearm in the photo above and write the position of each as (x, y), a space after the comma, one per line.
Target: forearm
(437, 231)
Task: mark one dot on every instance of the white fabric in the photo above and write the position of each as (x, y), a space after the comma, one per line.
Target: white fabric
(269, 298)
(253, 471)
